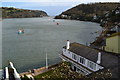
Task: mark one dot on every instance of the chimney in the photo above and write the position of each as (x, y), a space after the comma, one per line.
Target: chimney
(99, 58)
(68, 44)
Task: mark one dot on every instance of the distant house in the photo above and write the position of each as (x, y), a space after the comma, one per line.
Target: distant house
(116, 28)
(117, 11)
(64, 16)
(112, 43)
(94, 17)
(86, 60)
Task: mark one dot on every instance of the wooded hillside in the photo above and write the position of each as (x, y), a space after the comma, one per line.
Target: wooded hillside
(88, 12)
(10, 12)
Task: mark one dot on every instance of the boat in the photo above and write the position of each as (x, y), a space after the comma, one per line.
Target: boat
(21, 31)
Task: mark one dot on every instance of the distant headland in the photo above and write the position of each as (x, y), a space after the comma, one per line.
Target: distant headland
(10, 12)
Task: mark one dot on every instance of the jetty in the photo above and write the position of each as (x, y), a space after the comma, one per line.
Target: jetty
(34, 72)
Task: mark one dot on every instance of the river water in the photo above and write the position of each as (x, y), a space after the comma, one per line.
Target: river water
(27, 51)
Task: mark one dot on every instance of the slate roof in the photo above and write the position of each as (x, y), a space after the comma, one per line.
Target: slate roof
(84, 51)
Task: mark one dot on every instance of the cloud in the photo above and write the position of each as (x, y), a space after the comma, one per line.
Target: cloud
(52, 3)
(82, 1)
(27, 4)
(58, 2)
(42, 0)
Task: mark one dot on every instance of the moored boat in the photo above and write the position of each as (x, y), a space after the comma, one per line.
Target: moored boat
(20, 31)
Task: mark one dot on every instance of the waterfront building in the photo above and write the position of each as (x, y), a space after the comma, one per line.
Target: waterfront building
(112, 43)
(87, 60)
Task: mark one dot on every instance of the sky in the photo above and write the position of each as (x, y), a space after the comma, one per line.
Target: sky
(52, 7)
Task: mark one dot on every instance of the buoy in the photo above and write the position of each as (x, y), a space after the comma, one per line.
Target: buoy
(53, 20)
(57, 23)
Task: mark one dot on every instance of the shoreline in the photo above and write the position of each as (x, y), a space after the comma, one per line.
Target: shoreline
(24, 17)
(35, 72)
(78, 20)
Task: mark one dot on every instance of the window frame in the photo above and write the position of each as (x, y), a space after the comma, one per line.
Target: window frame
(82, 60)
(74, 56)
(91, 65)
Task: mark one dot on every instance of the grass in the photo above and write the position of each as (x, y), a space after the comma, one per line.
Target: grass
(61, 71)
(44, 74)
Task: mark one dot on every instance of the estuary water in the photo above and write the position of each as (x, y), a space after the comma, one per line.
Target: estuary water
(27, 51)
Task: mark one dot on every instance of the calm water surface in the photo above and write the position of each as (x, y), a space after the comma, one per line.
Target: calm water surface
(27, 51)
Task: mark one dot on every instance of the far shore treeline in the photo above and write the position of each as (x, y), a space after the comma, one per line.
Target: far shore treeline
(10, 12)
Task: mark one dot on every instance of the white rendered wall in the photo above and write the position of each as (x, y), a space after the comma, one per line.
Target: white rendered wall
(69, 55)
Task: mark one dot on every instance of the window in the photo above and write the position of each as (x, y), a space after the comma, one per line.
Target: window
(69, 52)
(91, 65)
(74, 56)
(64, 50)
(94, 66)
(81, 60)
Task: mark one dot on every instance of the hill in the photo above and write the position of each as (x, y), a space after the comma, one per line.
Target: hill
(111, 24)
(10, 12)
(88, 12)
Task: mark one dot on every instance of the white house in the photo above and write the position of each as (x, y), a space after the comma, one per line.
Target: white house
(64, 16)
(94, 17)
(86, 60)
(80, 63)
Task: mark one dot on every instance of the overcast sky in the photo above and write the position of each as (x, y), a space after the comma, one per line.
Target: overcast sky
(52, 7)
(60, 0)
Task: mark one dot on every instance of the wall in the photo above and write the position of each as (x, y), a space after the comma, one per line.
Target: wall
(112, 44)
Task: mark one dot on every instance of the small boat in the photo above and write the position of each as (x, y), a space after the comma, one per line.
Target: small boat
(57, 23)
(20, 31)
